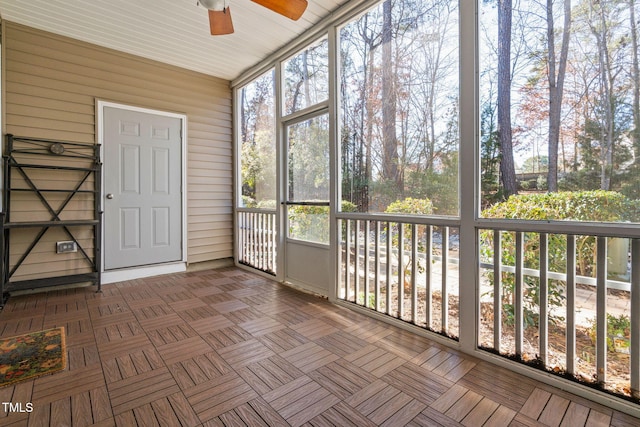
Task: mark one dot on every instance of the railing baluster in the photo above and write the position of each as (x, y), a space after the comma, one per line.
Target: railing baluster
(240, 239)
(347, 263)
(519, 325)
(634, 344)
(377, 265)
(261, 241)
(250, 232)
(497, 290)
(389, 266)
(414, 273)
(400, 270)
(366, 263)
(356, 260)
(274, 243)
(255, 231)
(571, 304)
(428, 268)
(544, 300)
(264, 237)
(445, 287)
(340, 261)
(256, 237)
(245, 233)
(601, 310)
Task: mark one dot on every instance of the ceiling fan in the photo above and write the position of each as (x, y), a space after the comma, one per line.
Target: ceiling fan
(220, 13)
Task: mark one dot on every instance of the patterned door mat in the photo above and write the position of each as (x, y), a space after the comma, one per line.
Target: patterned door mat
(32, 355)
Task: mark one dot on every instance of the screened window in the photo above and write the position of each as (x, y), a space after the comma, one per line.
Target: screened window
(258, 142)
(399, 108)
(306, 77)
(560, 120)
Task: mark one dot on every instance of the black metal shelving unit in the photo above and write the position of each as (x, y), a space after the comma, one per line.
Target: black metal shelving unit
(23, 157)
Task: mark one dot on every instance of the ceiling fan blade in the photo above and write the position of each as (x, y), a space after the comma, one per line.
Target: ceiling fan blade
(292, 9)
(220, 22)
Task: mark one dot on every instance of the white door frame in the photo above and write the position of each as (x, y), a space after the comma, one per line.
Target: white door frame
(305, 250)
(130, 273)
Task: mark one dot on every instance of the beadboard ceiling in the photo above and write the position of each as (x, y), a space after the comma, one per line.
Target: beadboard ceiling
(171, 31)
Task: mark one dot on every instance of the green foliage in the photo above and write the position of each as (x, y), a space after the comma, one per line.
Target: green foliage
(597, 206)
(346, 206)
(489, 155)
(267, 204)
(371, 302)
(441, 187)
(411, 206)
(248, 201)
(258, 169)
(600, 206)
(311, 223)
(414, 207)
(535, 164)
(618, 332)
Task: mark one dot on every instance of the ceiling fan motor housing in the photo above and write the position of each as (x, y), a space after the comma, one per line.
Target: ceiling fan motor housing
(213, 4)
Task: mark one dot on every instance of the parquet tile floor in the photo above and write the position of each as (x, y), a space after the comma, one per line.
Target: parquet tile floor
(227, 347)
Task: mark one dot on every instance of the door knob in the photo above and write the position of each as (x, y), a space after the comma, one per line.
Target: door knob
(110, 196)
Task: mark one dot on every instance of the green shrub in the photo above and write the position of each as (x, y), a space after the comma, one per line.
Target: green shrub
(597, 206)
(311, 223)
(411, 206)
(248, 201)
(618, 332)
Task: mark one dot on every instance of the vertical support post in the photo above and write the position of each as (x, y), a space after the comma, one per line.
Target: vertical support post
(497, 290)
(571, 304)
(274, 243)
(7, 210)
(601, 310)
(97, 212)
(635, 319)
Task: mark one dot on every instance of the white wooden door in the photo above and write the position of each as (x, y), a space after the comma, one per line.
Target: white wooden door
(142, 188)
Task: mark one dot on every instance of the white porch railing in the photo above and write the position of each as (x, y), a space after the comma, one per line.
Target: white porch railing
(257, 239)
(569, 304)
(403, 268)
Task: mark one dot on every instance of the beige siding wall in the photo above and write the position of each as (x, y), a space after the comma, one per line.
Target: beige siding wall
(51, 84)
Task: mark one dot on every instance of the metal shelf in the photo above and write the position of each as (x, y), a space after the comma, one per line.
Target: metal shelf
(19, 162)
(71, 223)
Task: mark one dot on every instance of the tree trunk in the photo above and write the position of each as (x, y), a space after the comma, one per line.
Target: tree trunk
(244, 126)
(507, 165)
(556, 85)
(305, 78)
(389, 138)
(606, 87)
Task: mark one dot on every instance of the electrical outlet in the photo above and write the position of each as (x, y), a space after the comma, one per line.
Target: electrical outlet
(66, 247)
